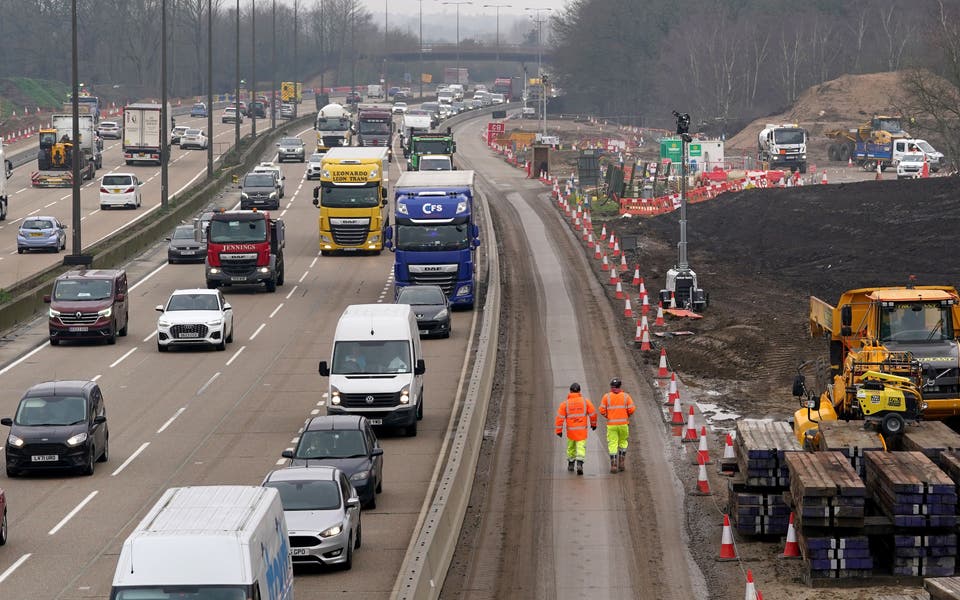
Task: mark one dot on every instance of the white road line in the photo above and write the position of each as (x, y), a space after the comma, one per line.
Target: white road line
(172, 419)
(304, 276)
(145, 278)
(283, 212)
(33, 213)
(149, 337)
(65, 196)
(120, 360)
(129, 460)
(72, 513)
(314, 261)
(23, 559)
(50, 204)
(259, 329)
(280, 461)
(235, 355)
(291, 292)
(94, 212)
(276, 310)
(24, 357)
(315, 411)
(20, 190)
(204, 387)
(96, 378)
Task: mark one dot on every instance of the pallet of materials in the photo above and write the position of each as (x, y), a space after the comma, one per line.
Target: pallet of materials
(852, 439)
(917, 555)
(930, 437)
(758, 513)
(942, 588)
(760, 447)
(825, 490)
(837, 557)
(911, 490)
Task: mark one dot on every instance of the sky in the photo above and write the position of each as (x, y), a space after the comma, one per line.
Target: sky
(399, 7)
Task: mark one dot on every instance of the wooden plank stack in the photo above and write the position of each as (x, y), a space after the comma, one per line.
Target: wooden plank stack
(943, 588)
(837, 557)
(759, 513)
(930, 437)
(826, 491)
(852, 438)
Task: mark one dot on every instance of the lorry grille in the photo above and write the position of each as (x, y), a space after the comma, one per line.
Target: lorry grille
(78, 318)
(446, 281)
(331, 141)
(349, 235)
(360, 400)
(304, 541)
(237, 266)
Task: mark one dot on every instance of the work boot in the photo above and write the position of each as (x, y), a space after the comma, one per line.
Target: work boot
(622, 461)
(570, 465)
(613, 464)
(579, 467)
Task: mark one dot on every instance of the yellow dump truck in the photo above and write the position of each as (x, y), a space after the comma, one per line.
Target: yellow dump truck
(352, 198)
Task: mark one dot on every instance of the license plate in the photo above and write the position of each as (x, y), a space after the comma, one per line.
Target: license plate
(186, 252)
(189, 334)
(235, 278)
(298, 552)
(79, 329)
(376, 421)
(45, 458)
(36, 235)
(424, 332)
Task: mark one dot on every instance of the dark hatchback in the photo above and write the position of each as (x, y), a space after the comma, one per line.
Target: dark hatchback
(184, 246)
(431, 307)
(348, 443)
(58, 425)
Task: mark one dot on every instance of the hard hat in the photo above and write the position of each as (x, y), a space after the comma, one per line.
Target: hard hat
(574, 387)
(616, 383)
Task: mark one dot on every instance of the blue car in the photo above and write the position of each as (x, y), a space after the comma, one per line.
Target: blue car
(199, 110)
(41, 233)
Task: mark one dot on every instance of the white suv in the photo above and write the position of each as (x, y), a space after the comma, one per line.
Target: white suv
(195, 317)
(314, 165)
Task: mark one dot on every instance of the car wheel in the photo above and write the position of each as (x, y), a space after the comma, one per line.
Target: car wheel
(420, 407)
(19, 250)
(161, 347)
(3, 529)
(11, 472)
(112, 338)
(359, 541)
(271, 285)
(230, 337)
(126, 323)
(370, 505)
(221, 346)
(90, 467)
(411, 430)
(105, 456)
(379, 489)
(348, 564)
(103, 207)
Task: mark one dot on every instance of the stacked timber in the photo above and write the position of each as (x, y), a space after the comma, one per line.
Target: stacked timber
(943, 588)
(852, 439)
(921, 502)
(756, 491)
(930, 437)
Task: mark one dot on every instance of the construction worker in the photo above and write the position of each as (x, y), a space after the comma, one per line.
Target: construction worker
(617, 406)
(574, 411)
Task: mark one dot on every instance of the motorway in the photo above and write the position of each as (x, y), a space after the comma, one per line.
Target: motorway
(207, 417)
(186, 168)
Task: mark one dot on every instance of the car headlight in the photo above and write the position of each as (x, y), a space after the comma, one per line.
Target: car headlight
(105, 312)
(54, 313)
(215, 323)
(325, 173)
(332, 531)
(77, 439)
(360, 476)
(373, 174)
(405, 396)
(334, 396)
(442, 314)
(324, 238)
(163, 323)
(14, 441)
(214, 270)
(244, 195)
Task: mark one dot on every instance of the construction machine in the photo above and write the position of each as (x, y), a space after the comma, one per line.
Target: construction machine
(893, 358)
(867, 144)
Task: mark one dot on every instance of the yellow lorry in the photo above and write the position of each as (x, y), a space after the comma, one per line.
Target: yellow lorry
(352, 198)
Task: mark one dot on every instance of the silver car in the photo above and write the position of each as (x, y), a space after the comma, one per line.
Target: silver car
(322, 511)
(290, 148)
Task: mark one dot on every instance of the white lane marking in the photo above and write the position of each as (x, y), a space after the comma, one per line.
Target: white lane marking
(33, 213)
(22, 559)
(276, 310)
(315, 411)
(94, 212)
(204, 387)
(129, 460)
(283, 212)
(149, 337)
(72, 513)
(295, 440)
(96, 378)
(314, 261)
(24, 357)
(20, 190)
(236, 354)
(304, 276)
(280, 461)
(291, 292)
(65, 196)
(259, 329)
(172, 419)
(146, 277)
(120, 360)
(50, 204)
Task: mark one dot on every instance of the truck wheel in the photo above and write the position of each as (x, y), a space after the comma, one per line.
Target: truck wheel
(892, 425)
(280, 276)
(271, 284)
(803, 168)
(3, 209)
(833, 152)
(411, 430)
(844, 154)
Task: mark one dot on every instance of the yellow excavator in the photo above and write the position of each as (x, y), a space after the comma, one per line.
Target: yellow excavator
(893, 358)
(54, 154)
(881, 129)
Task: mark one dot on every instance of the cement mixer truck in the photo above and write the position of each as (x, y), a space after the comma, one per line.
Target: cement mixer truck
(783, 147)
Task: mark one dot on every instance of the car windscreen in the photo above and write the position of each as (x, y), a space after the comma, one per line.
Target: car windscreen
(108, 125)
(181, 592)
(117, 180)
(916, 322)
(342, 196)
(307, 495)
(926, 147)
(433, 237)
(788, 136)
(35, 411)
(193, 302)
(291, 142)
(37, 224)
(259, 180)
(370, 357)
(237, 231)
(347, 443)
(183, 233)
(316, 158)
(420, 295)
(82, 289)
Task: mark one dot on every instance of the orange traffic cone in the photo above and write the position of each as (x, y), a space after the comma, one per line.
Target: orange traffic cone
(703, 483)
(589, 241)
(619, 289)
(691, 433)
(703, 453)
(644, 324)
(614, 277)
(644, 305)
(879, 176)
(792, 548)
(751, 592)
(659, 321)
(645, 341)
(636, 275)
(627, 309)
(623, 262)
(605, 266)
(823, 180)
(727, 549)
(662, 367)
(596, 251)
(673, 300)
(616, 248)
(850, 162)
(673, 393)
(612, 241)
(639, 338)
(576, 223)
(676, 418)
(642, 291)
(925, 172)
(603, 234)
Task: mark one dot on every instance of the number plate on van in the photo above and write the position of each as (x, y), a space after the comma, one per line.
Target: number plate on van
(376, 421)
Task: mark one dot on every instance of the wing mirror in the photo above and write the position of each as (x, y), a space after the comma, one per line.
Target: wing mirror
(353, 502)
(46, 299)
(158, 308)
(420, 368)
(227, 306)
(324, 369)
(6, 421)
(287, 454)
(376, 452)
(846, 320)
(121, 297)
(99, 419)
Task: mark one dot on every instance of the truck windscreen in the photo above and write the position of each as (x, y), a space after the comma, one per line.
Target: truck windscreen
(375, 127)
(432, 146)
(229, 231)
(350, 196)
(433, 237)
(186, 592)
(788, 136)
(333, 125)
(916, 322)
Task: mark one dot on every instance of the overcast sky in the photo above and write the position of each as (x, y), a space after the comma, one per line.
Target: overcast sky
(412, 7)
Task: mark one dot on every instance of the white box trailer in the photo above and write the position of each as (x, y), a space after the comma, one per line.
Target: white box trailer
(143, 132)
(230, 540)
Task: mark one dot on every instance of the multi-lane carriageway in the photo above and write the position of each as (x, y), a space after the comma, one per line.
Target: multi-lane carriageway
(206, 417)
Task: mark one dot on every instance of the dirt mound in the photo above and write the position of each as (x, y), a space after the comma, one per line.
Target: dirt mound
(761, 253)
(843, 102)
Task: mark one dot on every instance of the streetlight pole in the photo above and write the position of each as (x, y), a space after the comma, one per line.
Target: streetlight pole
(236, 102)
(164, 112)
(209, 88)
(296, 53)
(76, 258)
(421, 48)
(539, 19)
(386, 42)
(273, 61)
(253, 69)
(458, 4)
(498, 7)
(323, 48)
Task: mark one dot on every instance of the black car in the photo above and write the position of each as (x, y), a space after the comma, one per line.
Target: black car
(431, 307)
(184, 245)
(348, 443)
(58, 425)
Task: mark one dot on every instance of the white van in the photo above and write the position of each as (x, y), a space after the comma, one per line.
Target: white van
(228, 542)
(376, 366)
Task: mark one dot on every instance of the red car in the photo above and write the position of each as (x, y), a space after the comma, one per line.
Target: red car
(354, 98)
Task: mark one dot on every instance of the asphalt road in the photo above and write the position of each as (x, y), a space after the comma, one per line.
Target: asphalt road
(206, 417)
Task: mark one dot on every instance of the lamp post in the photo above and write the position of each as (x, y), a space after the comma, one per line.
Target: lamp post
(253, 69)
(236, 102)
(164, 111)
(273, 65)
(458, 4)
(421, 48)
(296, 54)
(323, 56)
(209, 88)
(76, 257)
(498, 7)
(539, 19)
(386, 42)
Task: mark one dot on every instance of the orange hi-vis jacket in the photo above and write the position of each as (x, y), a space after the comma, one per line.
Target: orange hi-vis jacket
(575, 410)
(617, 407)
